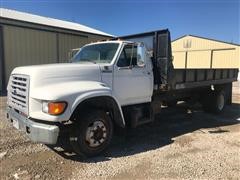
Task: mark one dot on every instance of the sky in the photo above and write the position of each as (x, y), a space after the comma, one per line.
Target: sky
(217, 19)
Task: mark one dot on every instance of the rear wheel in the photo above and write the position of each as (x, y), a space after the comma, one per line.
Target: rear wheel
(92, 133)
(220, 102)
(214, 101)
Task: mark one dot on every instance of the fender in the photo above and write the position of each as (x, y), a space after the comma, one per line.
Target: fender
(99, 93)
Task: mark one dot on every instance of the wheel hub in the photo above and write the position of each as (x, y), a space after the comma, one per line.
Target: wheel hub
(96, 134)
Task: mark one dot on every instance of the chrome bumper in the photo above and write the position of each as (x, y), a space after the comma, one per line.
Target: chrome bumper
(37, 132)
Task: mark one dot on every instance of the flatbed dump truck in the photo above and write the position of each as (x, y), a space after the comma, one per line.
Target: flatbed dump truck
(120, 82)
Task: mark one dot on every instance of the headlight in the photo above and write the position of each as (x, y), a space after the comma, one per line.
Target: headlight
(54, 108)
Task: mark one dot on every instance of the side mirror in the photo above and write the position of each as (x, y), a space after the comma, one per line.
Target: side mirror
(140, 55)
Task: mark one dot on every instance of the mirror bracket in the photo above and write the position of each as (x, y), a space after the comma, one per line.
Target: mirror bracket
(125, 68)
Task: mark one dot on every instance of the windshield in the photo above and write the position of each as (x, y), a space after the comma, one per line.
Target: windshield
(96, 53)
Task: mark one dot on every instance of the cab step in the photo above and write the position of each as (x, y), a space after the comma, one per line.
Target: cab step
(141, 115)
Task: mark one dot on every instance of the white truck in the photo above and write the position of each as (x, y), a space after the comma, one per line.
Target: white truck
(117, 83)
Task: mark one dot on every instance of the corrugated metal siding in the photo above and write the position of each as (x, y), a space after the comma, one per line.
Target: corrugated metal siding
(179, 59)
(221, 59)
(27, 47)
(199, 59)
(94, 38)
(68, 42)
(199, 53)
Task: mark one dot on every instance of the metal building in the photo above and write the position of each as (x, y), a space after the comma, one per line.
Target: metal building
(196, 52)
(27, 39)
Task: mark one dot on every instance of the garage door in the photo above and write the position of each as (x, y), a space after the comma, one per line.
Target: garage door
(68, 42)
(23, 46)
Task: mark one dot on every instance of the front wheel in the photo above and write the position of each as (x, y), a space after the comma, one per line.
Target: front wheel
(91, 133)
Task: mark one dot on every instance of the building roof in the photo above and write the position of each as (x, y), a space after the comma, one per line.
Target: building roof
(206, 39)
(31, 18)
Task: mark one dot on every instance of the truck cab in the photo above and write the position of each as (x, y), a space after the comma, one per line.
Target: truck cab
(125, 68)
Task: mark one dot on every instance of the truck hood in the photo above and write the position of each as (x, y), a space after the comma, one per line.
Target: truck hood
(44, 75)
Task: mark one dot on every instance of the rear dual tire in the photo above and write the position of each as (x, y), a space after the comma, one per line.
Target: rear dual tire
(214, 101)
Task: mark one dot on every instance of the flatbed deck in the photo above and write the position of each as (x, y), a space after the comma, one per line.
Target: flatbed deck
(192, 78)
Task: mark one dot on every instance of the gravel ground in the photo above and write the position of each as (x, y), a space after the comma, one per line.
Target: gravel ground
(185, 143)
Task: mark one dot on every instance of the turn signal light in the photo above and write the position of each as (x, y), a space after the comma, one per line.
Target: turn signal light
(56, 108)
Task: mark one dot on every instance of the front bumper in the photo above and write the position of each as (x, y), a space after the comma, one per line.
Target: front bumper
(37, 132)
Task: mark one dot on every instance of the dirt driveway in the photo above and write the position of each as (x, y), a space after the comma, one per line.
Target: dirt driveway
(185, 143)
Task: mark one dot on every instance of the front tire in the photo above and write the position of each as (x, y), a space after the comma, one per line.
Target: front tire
(91, 133)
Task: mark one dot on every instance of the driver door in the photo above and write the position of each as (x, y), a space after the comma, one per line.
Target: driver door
(132, 81)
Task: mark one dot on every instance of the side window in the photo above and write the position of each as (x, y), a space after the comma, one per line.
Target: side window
(132, 55)
(128, 56)
(123, 61)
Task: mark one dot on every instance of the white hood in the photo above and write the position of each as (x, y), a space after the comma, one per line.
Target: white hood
(58, 73)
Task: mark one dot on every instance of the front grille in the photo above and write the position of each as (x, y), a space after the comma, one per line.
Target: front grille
(18, 88)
